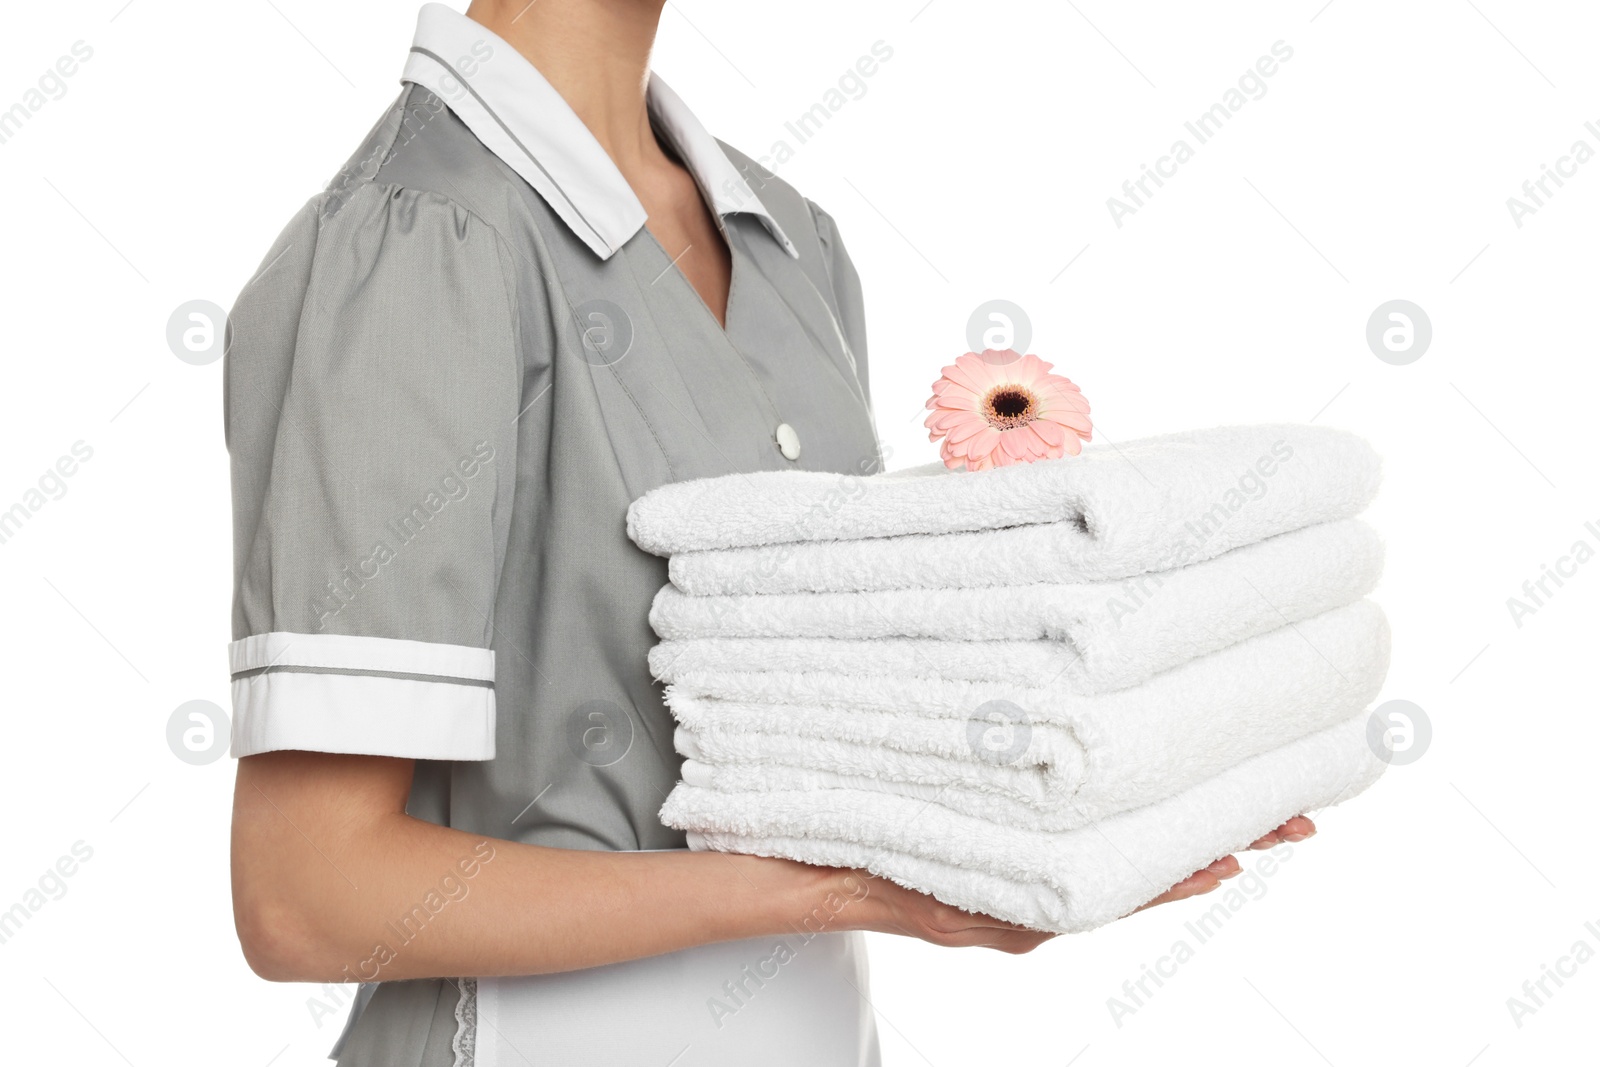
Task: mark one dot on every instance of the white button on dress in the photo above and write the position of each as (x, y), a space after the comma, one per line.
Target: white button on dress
(788, 441)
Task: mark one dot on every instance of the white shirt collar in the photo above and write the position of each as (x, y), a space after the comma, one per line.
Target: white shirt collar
(519, 116)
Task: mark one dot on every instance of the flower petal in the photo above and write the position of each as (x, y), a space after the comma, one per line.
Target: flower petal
(968, 372)
(943, 419)
(1050, 433)
(969, 427)
(983, 443)
(994, 369)
(1065, 401)
(1072, 420)
(1015, 443)
(1030, 370)
(957, 399)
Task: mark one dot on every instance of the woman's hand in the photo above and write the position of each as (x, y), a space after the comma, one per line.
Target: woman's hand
(893, 909)
(890, 908)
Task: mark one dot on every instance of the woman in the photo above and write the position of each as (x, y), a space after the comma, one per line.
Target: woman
(538, 290)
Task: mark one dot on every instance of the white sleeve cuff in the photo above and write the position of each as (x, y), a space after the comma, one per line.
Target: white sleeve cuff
(372, 696)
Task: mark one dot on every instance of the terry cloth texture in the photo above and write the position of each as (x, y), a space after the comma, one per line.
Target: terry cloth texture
(1146, 505)
(1065, 882)
(1038, 757)
(1115, 633)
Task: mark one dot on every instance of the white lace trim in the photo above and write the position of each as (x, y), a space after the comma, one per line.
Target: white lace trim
(465, 1043)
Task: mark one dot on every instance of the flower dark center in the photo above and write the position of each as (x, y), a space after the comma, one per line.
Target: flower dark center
(1009, 406)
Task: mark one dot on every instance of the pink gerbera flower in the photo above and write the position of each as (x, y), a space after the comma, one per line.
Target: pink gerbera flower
(996, 408)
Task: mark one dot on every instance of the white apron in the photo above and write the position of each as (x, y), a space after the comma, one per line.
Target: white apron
(792, 1000)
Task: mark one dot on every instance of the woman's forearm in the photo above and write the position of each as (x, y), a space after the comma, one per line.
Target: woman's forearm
(334, 882)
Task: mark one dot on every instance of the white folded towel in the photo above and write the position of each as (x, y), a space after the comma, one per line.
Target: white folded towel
(1063, 882)
(1117, 633)
(1039, 757)
(1145, 505)
(1025, 662)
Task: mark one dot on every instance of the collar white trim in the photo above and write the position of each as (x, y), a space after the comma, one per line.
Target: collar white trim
(519, 116)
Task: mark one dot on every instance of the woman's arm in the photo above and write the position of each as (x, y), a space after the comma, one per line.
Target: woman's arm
(334, 882)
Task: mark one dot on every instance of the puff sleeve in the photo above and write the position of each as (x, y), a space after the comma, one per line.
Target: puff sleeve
(371, 394)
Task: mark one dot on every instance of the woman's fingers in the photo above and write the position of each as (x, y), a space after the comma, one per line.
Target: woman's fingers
(1209, 877)
(1296, 829)
(1202, 881)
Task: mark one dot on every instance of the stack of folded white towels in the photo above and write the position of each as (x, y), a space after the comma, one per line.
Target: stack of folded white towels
(1044, 692)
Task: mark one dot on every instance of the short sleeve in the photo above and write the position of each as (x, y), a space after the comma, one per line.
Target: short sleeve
(846, 285)
(370, 399)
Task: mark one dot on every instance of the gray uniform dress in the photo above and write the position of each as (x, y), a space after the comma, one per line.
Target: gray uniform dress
(450, 376)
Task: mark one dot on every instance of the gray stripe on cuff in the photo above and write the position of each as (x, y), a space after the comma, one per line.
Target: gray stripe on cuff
(483, 683)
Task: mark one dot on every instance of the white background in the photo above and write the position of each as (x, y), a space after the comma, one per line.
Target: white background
(977, 165)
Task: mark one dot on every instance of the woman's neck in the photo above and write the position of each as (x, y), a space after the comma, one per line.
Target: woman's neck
(596, 54)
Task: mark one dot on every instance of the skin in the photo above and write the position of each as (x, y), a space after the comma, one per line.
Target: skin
(325, 860)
